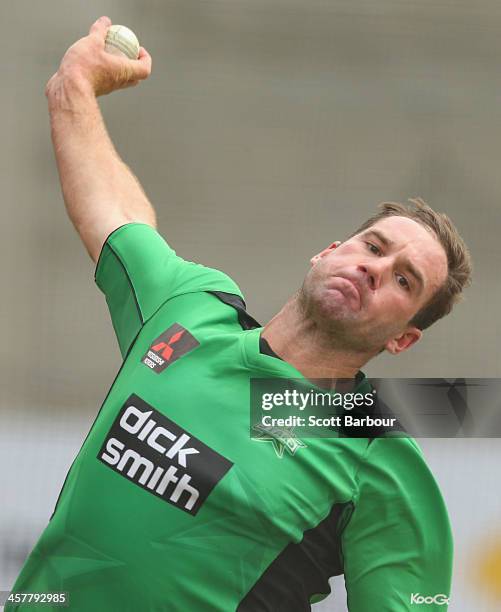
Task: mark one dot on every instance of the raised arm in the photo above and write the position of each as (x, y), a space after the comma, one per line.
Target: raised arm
(100, 192)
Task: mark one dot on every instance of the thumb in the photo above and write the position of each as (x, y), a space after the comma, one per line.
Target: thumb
(100, 27)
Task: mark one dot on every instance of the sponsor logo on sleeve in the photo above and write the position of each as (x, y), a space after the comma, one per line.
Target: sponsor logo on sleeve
(438, 600)
(169, 347)
(162, 458)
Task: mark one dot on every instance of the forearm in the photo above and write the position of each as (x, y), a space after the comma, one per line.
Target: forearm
(99, 190)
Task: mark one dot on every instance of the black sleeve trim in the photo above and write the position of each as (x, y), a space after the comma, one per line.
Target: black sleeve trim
(133, 291)
(301, 570)
(244, 318)
(105, 243)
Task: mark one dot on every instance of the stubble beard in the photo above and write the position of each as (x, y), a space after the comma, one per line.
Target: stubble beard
(338, 327)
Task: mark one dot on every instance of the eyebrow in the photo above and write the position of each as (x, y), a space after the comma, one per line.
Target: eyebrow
(409, 266)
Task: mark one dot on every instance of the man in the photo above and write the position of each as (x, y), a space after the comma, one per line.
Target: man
(170, 505)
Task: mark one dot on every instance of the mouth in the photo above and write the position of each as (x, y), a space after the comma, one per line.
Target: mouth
(351, 288)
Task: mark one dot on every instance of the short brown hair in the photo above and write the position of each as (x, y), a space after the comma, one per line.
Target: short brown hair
(459, 265)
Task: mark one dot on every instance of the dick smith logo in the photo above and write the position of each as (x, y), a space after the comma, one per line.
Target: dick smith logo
(156, 454)
(169, 347)
(439, 600)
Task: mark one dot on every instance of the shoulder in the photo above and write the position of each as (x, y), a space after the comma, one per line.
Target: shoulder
(396, 473)
(150, 263)
(398, 458)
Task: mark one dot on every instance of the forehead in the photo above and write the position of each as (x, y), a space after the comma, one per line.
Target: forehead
(413, 241)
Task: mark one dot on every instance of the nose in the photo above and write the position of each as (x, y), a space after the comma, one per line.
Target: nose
(372, 272)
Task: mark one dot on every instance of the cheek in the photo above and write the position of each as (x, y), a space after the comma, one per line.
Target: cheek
(393, 305)
(320, 272)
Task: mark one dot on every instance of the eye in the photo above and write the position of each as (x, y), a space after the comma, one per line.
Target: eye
(373, 248)
(403, 282)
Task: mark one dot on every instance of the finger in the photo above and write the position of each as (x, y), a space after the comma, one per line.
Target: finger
(100, 27)
(143, 53)
(142, 66)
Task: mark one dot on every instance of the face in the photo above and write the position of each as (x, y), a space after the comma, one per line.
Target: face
(365, 290)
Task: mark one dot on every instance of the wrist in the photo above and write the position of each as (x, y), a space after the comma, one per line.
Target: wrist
(69, 92)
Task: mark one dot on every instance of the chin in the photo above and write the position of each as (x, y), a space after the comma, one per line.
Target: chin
(336, 318)
(337, 308)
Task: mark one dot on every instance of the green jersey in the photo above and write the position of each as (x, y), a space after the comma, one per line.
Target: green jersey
(171, 506)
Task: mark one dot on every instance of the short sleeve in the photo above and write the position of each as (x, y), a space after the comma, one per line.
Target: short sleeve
(138, 272)
(397, 546)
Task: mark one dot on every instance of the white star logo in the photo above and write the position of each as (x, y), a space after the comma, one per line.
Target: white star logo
(281, 438)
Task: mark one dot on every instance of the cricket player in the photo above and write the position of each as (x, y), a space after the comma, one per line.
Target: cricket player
(170, 505)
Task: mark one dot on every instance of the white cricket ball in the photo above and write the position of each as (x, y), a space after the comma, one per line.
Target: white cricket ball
(122, 41)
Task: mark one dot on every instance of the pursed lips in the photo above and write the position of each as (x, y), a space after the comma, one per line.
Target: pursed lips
(356, 284)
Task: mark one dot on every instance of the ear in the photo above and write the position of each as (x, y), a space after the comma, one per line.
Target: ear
(404, 341)
(316, 258)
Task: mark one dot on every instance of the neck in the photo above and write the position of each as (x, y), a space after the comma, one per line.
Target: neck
(317, 355)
